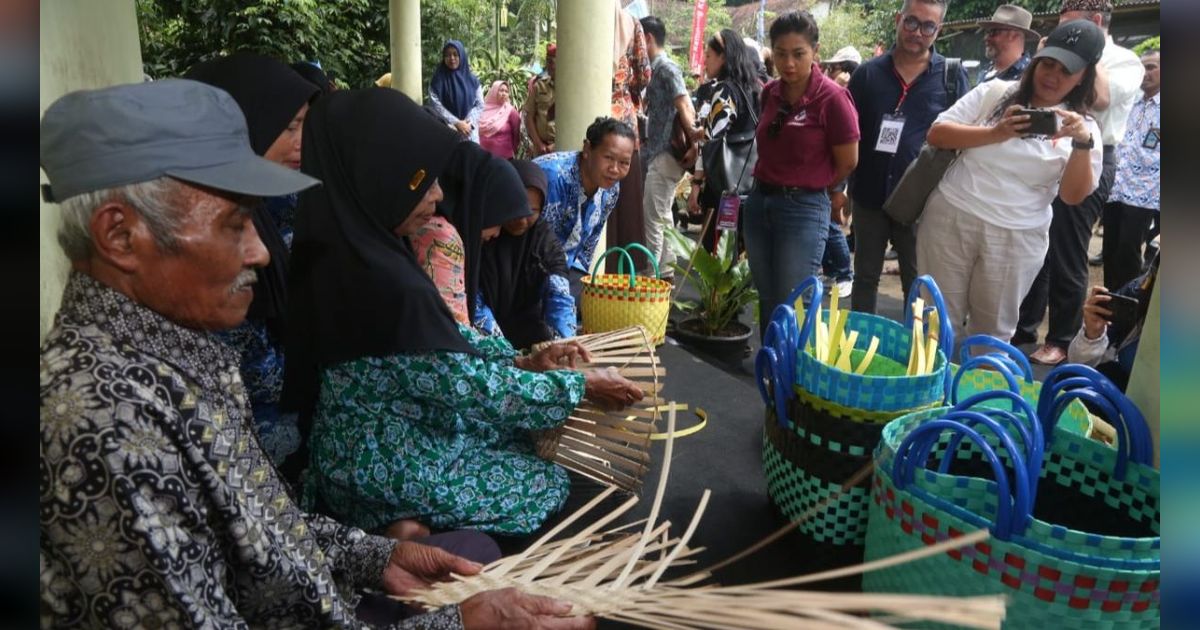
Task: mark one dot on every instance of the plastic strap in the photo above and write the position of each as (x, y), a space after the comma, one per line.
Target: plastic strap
(632, 274)
(945, 326)
(649, 256)
(1031, 430)
(1015, 355)
(991, 361)
(1141, 447)
(810, 318)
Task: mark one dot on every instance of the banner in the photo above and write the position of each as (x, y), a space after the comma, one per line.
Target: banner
(699, 18)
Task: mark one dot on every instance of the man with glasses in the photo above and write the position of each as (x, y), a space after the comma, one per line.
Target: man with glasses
(898, 95)
(1004, 43)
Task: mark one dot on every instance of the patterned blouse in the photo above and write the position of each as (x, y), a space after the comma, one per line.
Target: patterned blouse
(576, 220)
(631, 76)
(450, 119)
(439, 250)
(1137, 181)
(441, 437)
(158, 507)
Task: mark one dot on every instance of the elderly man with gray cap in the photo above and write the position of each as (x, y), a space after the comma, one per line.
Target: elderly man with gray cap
(1004, 38)
(158, 506)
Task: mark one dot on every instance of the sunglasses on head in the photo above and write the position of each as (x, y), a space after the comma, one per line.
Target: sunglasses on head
(777, 124)
(928, 28)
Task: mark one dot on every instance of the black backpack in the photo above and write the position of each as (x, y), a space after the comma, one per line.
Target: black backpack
(950, 78)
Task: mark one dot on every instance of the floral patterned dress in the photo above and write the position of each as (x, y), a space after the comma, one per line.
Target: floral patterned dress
(441, 437)
(631, 76)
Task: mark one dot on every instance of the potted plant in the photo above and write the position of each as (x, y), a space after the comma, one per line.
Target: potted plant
(725, 287)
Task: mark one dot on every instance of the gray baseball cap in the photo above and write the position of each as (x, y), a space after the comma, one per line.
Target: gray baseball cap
(127, 134)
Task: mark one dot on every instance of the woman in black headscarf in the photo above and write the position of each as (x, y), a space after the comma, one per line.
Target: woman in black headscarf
(275, 100)
(523, 277)
(415, 417)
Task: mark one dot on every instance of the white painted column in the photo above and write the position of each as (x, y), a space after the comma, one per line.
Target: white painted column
(85, 44)
(404, 16)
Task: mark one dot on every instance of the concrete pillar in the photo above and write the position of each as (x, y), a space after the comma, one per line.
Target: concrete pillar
(404, 16)
(1143, 388)
(583, 81)
(85, 44)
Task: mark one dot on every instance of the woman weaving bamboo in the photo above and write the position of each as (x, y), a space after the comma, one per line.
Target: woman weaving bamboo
(414, 416)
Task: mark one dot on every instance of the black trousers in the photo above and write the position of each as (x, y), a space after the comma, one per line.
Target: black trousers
(1062, 283)
(873, 228)
(1126, 230)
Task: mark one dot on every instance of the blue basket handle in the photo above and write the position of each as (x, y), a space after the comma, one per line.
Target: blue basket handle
(945, 326)
(1130, 420)
(1010, 509)
(1032, 455)
(649, 256)
(766, 368)
(1016, 357)
(1030, 430)
(784, 318)
(997, 362)
(625, 256)
(810, 319)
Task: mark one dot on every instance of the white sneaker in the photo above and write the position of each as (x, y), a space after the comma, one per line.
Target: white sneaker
(844, 288)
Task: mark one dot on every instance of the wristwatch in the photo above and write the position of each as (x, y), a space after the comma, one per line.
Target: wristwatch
(1086, 146)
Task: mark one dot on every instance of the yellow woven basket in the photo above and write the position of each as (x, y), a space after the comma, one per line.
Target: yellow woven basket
(612, 301)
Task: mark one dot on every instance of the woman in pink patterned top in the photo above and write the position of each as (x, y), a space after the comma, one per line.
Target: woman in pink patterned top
(631, 75)
(439, 251)
(499, 124)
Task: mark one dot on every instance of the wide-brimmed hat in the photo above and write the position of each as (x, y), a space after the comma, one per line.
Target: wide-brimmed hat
(1010, 16)
(1076, 45)
(849, 53)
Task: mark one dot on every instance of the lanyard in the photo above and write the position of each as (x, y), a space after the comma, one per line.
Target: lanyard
(904, 87)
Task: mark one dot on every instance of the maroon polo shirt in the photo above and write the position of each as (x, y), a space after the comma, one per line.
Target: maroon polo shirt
(801, 153)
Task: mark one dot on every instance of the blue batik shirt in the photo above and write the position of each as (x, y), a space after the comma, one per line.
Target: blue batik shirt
(575, 219)
(1137, 181)
(1011, 73)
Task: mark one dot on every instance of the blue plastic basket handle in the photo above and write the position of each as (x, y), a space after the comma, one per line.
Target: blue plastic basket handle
(1130, 421)
(764, 372)
(1011, 508)
(766, 369)
(813, 287)
(784, 318)
(624, 257)
(997, 362)
(1030, 429)
(1016, 357)
(945, 326)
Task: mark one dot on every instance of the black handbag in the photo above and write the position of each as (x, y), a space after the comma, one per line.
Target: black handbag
(729, 158)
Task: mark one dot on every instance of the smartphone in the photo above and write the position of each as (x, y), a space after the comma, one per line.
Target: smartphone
(1124, 310)
(1042, 122)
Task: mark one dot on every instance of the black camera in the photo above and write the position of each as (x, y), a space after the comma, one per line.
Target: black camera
(1042, 122)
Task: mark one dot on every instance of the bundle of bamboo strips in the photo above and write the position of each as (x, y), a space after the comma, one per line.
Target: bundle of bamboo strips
(830, 343)
(612, 447)
(613, 575)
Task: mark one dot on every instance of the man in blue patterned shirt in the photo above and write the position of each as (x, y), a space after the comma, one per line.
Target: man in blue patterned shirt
(582, 190)
(1133, 204)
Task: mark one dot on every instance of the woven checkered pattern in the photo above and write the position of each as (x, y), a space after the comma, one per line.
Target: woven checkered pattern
(857, 415)
(1056, 577)
(795, 491)
(882, 388)
(1074, 419)
(609, 303)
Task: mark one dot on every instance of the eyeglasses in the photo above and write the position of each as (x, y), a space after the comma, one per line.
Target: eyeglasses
(992, 32)
(777, 124)
(928, 29)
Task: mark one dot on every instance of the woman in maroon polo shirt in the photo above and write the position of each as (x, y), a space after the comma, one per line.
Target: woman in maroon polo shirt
(807, 146)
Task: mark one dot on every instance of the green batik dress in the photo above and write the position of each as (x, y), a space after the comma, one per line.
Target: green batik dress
(442, 437)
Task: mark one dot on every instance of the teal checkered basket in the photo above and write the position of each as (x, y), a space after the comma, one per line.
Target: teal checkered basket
(811, 445)
(1075, 522)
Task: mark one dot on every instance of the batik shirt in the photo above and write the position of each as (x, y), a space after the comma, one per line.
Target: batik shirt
(630, 77)
(472, 115)
(575, 219)
(666, 84)
(439, 250)
(1137, 181)
(1011, 73)
(441, 437)
(158, 508)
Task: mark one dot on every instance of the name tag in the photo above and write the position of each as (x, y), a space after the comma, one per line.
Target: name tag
(1152, 139)
(889, 133)
(727, 212)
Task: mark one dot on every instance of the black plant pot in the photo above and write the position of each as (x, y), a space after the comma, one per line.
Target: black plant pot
(729, 348)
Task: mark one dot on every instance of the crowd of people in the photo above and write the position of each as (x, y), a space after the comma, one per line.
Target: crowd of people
(294, 365)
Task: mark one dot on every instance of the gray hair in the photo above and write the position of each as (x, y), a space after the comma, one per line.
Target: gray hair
(939, 3)
(153, 200)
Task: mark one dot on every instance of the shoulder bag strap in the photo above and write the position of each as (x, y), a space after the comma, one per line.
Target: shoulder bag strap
(950, 78)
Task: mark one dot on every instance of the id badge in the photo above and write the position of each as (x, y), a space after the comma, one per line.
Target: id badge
(1152, 139)
(889, 133)
(727, 212)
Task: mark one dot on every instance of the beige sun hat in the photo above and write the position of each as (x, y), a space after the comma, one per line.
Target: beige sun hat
(1011, 16)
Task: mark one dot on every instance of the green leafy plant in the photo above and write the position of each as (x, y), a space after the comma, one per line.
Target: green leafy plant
(723, 280)
(1151, 43)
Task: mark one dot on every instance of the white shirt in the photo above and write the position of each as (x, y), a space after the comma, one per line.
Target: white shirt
(1125, 74)
(1012, 183)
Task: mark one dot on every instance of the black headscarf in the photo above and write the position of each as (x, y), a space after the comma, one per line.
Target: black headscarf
(482, 191)
(314, 75)
(269, 94)
(356, 289)
(514, 271)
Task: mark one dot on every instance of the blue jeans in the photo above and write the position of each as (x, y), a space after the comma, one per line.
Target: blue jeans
(836, 260)
(785, 240)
